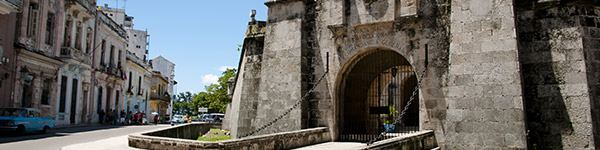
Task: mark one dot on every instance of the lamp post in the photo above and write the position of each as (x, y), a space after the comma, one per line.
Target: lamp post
(230, 85)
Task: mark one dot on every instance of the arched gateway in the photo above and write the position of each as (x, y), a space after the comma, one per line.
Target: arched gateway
(374, 89)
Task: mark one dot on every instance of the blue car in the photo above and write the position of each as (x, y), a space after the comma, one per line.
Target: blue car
(24, 120)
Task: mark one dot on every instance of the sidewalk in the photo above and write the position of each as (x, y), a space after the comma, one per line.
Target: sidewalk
(115, 143)
(77, 125)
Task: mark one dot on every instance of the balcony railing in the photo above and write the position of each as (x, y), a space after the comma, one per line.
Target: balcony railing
(113, 25)
(71, 53)
(15, 3)
(90, 5)
(111, 70)
(162, 97)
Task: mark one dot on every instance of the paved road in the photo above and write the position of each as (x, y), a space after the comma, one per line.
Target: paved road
(56, 139)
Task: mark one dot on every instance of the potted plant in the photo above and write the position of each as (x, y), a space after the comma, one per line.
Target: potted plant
(389, 124)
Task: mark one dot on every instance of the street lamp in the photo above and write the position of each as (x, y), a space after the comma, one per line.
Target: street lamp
(230, 85)
(24, 72)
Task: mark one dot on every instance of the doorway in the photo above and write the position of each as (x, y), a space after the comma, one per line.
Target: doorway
(375, 87)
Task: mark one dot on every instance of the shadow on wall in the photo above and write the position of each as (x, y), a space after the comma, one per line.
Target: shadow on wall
(547, 116)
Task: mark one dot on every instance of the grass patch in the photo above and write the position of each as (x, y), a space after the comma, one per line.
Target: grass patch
(214, 135)
(214, 139)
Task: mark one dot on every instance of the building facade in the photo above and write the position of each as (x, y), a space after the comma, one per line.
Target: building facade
(492, 74)
(110, 61)
(160, 99)
(74, 75)
(38, 46)
(8, 56)
(166, 68)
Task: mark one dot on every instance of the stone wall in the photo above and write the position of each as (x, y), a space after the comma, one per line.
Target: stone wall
(485, 104)
(558, 47)
(189, 131)
(419, 140)
(245, 99)
(284, 140)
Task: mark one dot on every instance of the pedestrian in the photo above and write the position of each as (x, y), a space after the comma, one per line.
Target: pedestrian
(115, 118)
(156, 119)
(128, 118)
(109, 116)
(136, 116)
(122, 120)
(101, 116)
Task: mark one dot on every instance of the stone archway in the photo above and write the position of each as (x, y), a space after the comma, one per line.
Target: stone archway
(374, 87)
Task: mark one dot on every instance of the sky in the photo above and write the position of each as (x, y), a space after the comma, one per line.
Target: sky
(200, 36)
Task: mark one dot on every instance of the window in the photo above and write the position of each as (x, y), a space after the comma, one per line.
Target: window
(32, 20)
(88, 40)
(67, 38)
(46, 92)
(112, 55)
(50, 29)
(119, 58)
(103, 50)
(140, 85)
(63, 94)
(78, 35)
(130, 78)
(138, 46)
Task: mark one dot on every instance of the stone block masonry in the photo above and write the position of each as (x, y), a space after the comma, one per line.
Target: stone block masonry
(483, 64)
(557, 49)
(502, 74)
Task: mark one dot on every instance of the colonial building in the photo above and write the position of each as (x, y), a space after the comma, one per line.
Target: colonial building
(109, 63)
(137, 68)
(74, 75)
(137, 94)
(160, 99)
(8, 56)
(38, 43)
(167, 69)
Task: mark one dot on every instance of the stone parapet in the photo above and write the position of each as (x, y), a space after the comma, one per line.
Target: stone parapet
(419, 140)
(284, 140)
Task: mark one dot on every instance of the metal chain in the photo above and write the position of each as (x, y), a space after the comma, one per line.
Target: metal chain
(412, 97)
(286, 112)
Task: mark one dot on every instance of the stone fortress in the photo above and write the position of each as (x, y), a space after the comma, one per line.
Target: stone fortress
(500, 74)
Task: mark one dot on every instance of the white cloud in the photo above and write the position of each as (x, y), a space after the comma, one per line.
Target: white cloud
(210, 79)
(224, 68)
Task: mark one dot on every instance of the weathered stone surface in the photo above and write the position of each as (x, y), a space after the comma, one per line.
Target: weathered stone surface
(165, 139)
(499, 72)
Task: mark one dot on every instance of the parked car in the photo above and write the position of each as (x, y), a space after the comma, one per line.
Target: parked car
(177, 119)
(24, 120)
(212, 118)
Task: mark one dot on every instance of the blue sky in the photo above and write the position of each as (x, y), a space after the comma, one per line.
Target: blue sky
(199, 36)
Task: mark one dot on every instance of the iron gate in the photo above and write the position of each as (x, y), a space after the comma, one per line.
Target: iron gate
(376, 91)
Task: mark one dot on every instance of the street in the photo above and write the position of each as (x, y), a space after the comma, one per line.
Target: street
(59, 138)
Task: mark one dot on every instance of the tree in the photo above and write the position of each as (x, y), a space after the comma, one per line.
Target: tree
(217, 93)
(215, 97)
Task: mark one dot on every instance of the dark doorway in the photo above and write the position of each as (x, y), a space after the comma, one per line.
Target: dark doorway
(74, 92)
(27, 95)
(99, 107)
(117, 100)
(63, 95)
(375, 88)
(108, 91)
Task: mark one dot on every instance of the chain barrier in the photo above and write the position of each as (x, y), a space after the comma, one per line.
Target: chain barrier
(286, 112)
(293, 107)
(412, 97)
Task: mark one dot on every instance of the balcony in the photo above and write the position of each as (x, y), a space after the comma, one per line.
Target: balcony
(89, 5)
(111, 70)
(161, 97)
(75, 54)
(8, 6)
(111, 24)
